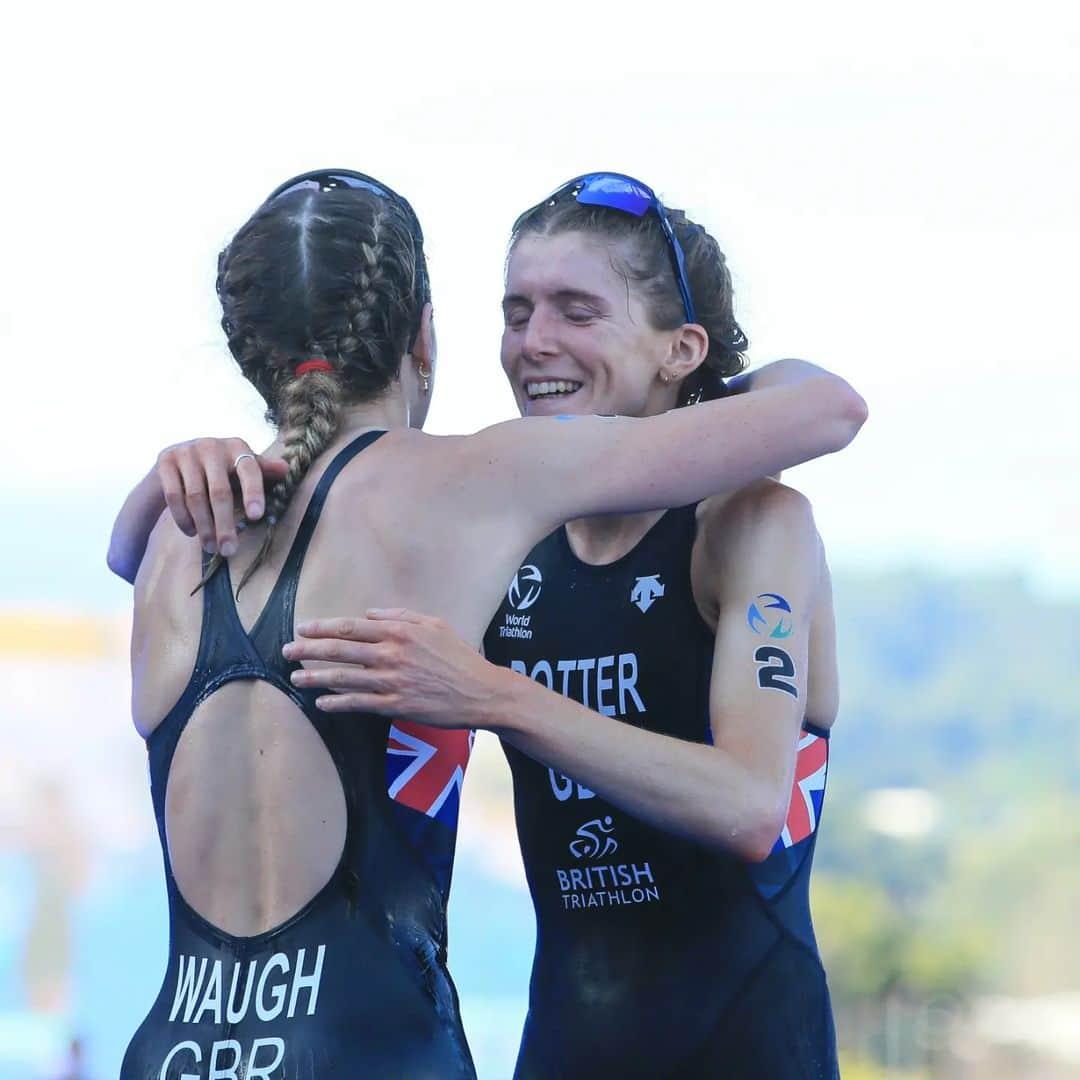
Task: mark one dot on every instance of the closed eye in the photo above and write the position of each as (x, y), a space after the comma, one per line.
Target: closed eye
(516, 318)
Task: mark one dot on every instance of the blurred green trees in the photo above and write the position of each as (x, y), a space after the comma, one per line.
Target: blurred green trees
(965, 693)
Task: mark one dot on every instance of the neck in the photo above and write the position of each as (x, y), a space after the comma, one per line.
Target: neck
(391, 410)
(603, 539)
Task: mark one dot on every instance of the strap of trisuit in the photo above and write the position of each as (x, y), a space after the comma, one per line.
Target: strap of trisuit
(277, 617)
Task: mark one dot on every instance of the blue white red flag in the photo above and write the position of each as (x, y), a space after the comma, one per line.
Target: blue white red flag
(807, 791)
(425, 768)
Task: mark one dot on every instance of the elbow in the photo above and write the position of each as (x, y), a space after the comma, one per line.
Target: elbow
(754, 841)
(120, 566)
(756, 844)
(757, 848)
(848, 410)
(857, 411)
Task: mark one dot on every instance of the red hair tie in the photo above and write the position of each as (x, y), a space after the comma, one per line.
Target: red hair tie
(313, 365)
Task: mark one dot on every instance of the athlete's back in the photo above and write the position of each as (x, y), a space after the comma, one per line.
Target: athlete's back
(307, 905)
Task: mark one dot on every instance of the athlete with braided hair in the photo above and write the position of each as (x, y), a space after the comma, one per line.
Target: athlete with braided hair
(306, 893)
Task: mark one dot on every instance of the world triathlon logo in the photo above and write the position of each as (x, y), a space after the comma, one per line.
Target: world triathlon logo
(594, 840)
(524, 590)
(773, 624)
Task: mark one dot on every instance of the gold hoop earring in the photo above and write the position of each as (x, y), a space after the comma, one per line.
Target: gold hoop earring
(426, 376)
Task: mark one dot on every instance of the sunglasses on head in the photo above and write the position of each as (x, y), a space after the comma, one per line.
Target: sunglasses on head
(624, 193)
(332, 179)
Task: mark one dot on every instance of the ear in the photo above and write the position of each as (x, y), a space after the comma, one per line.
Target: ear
(423, 346)
(686, 353)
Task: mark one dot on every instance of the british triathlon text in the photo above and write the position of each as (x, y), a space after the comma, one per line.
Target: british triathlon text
(608, 685)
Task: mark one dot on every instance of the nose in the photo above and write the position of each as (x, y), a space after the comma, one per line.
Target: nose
(539, 342)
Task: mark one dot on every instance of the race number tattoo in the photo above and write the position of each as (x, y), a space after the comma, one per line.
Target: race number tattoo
(776, 667)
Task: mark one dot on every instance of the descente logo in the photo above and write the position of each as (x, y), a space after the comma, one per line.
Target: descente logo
(525, 589)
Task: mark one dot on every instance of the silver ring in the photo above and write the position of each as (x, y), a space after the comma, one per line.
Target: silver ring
(239, 458)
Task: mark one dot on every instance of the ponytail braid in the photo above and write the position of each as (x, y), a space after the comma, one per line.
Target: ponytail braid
(310, 407)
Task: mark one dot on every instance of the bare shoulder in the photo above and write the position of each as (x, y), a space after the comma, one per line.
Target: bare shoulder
(404, 460)
(395, 491)
(759, 510)
(746, 534)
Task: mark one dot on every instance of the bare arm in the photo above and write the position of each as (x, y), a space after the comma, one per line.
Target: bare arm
(589, 465)
(733, 794)
(787, 372)
(133, 526)
(577, 466)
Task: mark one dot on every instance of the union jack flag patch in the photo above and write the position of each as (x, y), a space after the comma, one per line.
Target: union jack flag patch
(425, 768)
(807, 791)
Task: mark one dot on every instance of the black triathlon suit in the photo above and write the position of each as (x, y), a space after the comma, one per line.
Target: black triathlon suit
(655, 955)
(355, 983)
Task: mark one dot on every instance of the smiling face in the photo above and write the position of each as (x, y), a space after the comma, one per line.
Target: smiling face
(577, 336)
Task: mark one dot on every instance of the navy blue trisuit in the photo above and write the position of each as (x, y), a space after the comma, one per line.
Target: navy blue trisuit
(355, 983)
(655, 955)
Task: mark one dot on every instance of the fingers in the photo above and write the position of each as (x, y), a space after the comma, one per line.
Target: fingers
(172, 487)
(331, 650)
(196, 481)
(253, 473)
(347, 682)
(350, 628)
(337, 678)
(222, 505)
(397, 614)
(362, 703)
(195, 497)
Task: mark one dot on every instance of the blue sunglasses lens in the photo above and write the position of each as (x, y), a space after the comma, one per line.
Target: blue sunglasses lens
(633, 197)
(617, 193)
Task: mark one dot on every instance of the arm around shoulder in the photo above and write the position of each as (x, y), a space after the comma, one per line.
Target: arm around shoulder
(576, 466)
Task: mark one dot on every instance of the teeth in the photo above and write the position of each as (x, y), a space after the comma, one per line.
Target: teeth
(553, 386)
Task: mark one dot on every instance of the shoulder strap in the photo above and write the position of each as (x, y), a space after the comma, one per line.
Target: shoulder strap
(274, 626)
(222, 635)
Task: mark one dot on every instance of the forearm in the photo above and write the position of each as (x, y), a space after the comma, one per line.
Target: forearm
(692, 789)
(133, 526)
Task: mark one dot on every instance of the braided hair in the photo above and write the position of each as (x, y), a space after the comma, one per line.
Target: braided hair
(336, 275)
(644, 258)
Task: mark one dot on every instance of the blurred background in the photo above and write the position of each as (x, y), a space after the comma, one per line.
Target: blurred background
(896, 191)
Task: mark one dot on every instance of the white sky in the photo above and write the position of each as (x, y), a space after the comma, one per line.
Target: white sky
(896, 192)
